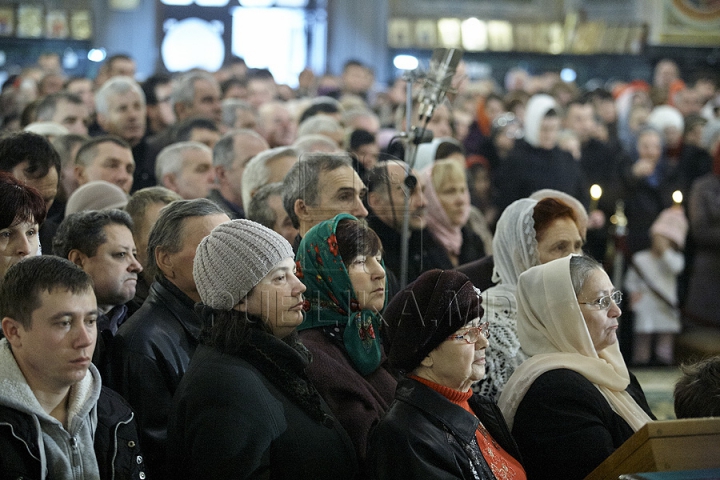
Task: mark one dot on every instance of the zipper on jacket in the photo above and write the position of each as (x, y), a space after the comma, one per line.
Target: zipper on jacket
(115, 443)
(12, 431)
(76, 463)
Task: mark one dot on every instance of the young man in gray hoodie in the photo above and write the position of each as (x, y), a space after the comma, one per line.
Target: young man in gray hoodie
(56, 419)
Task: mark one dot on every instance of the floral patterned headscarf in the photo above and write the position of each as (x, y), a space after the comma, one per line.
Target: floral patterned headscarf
(331, 298)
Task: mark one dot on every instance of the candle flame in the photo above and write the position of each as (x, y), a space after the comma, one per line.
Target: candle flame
(596, 192)
(677, 196)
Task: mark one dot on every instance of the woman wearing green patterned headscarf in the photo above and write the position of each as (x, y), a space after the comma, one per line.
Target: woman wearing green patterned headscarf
(340, 263)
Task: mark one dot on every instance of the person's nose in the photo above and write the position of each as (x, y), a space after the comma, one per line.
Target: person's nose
(23, 247)
(614, 310)
(482, 342)
(418, 199)
(122, 178)
(377, 271)
(86, 335)
(298, 286)
(134, 264)
(359, 209)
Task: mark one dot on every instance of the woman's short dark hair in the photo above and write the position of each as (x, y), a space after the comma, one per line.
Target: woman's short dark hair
(228, 330)
(19, 202)
(356, 238)
(547, 211)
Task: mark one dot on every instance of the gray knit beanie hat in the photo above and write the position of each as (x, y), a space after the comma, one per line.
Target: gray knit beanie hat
(233, 259)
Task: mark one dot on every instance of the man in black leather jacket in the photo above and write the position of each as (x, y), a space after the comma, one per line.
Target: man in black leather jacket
(154, 347)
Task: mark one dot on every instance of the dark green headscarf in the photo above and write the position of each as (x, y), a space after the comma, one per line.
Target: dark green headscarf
(331, 298)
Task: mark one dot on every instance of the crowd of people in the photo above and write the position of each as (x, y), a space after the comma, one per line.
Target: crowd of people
(201, 275)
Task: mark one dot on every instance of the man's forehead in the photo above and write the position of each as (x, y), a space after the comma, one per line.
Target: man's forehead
(51, 298)
(205, 85)
(340, 179)
(107, 149)
(118, 234)
(118, 99)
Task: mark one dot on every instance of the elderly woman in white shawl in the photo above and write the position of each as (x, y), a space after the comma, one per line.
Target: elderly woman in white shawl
(573, 402)
(528, 233)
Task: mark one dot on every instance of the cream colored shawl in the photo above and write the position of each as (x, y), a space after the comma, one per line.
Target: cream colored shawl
(552, 331)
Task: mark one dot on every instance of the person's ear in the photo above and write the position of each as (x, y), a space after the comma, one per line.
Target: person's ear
(220, 172)
(12, 330)
(180, 109)
(77, 257)
(80, 176)
(102, 121)
(301, 209)
(168, 181)
(372, 198)
(427, 362)
(164, 263)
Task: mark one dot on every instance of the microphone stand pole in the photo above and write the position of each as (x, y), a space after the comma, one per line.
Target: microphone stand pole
(409, 160)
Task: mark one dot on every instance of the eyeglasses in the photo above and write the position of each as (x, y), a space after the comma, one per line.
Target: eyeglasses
(473, 333)
(604, 302)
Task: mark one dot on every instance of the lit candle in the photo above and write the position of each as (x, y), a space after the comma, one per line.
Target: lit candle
(595, 194)
(677, 197)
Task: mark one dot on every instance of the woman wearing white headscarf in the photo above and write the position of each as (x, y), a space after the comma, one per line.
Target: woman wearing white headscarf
(528, 233)
(536, 162)
(573, 402)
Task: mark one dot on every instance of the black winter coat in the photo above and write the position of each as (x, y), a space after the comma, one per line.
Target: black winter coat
(565, 427)
(528, 169)
(436, 256)
(152, 350)
(116, 442)
(424, 435)
(231, 421)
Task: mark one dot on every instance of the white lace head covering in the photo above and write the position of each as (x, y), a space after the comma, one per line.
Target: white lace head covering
(537, 107)
(514, 243)
(552, 330)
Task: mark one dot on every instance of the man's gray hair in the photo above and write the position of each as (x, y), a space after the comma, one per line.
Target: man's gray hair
(48, 106)
(64, 145)
(310, 143)
(168, 232)
(302, 179)
(259, 209)
(170, 159)
(319, 124)
(115, 86)
(183, 90)
(230, 106)
(224, 150)
(143, 198)
(257, 171)
(350, 115)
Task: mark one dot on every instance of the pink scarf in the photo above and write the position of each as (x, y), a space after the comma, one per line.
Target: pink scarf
(438, 223)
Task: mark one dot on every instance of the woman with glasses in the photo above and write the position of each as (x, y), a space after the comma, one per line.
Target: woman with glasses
(437, 427)
(573, 402)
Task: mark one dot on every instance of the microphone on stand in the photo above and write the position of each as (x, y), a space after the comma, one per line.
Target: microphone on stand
(436, 84)
(443, 64)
